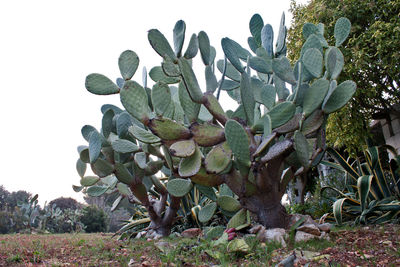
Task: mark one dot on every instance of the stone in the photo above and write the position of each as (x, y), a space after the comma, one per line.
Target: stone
(131, 262)
(255, 229)
(325, 235)
(310, 228)
(192, 233)
(303, 236)
(325, 227)
(276, 234)
(295, 217)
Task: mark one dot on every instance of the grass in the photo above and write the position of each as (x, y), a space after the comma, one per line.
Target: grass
(102, 250)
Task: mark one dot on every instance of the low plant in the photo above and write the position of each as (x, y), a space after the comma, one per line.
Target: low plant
(372, 193)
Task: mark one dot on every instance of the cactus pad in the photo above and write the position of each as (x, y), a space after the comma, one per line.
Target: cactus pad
(160, 44)
(238, 141)
(100, 85)
(168, 129)
(142, 135)
(342, 30)
(315, 95)
(134, 99)
(228, 203)
(281, 113)
(192, 48)
(89, 180)
(179, 36)
(339, 97)
(122, 174)
(206, 213)
(189, 166)
(128, 63)
(207, 134)
(124, 146)
(179, 187)
(312, 60)
(190, 81)
(301, 147)
(206, 179)
(161, 98)
(218, 158)
(183, 148)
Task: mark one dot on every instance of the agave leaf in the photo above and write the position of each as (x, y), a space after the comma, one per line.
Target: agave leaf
(183, 148)
(364, 185)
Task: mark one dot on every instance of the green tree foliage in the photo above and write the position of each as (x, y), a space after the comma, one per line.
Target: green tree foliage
(66, 203)
(372, 60)
(94, 219)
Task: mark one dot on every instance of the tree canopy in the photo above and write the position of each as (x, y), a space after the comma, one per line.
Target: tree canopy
(372, 60)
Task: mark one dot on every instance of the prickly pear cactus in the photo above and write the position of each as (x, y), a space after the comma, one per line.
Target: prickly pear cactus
(179, 128)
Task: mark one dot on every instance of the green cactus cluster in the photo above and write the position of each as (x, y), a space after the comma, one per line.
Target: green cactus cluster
(178, 130)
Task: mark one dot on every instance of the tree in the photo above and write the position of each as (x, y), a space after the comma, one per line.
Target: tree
(372, 59)
(4, 195)
(274, 135)
(94, 219)
(66, 203)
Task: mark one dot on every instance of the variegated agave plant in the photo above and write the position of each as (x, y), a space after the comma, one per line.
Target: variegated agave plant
(178, 129)
(373, 193)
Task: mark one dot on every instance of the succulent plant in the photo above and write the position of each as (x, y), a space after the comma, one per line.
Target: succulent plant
(275, 134)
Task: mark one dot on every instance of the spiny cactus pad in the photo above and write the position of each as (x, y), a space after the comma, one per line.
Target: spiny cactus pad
(207, 134)
(228, 203)
(134, 99)
(128, 63)
(100, 85)
(206, 213)
(238, 141)
(189, 166)
(218, 158)
(168, 129)
(143, 135)
(179, 187)
(339, 97)
(183, 148)
(89, 180)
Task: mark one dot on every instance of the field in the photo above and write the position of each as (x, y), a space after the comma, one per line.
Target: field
(363, 246)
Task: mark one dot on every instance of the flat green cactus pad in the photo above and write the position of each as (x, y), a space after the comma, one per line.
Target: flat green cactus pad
(190, 81)
(100, 85)
(206, 179)
(123, 189)
(342, 30)
(206, 213)
(160, 44)
(179, 187)
(228, 203)
(124, 146)
(142, 135)
(96, 191)
(168, 129)
(207, 134)
(315, 95)
(281, 113)
(238, 141)
(102, 168)
(134, 99)
(238, 219)
(122, 174)
(218, 158)
(89, 180)
(339, 97)
(301, 147)
(189, 166)
(128, 63)
(161, 98)
(313, 122)
(183, 148)
(190, 108)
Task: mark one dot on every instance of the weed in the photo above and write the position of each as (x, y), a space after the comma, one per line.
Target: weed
(314, 244)
(14, 259)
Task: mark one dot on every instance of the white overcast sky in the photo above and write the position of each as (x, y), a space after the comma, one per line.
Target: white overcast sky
(48, 47)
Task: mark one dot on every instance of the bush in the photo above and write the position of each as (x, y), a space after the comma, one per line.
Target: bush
(94, 219)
